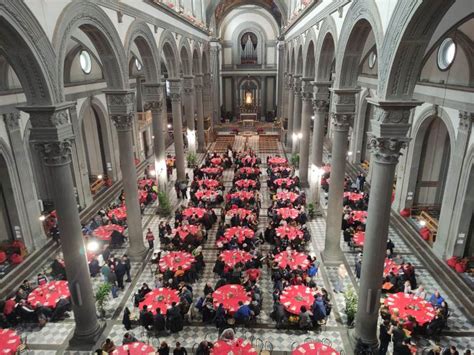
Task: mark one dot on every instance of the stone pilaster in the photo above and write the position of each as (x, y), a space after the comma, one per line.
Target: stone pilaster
(281, 79)
(291, 97)
(320, 107)
(175, 95)
(389, 128)
(215, 80)
(122, 113)
(296, 113)
(188, 100)
(306, 113)
(198, 86)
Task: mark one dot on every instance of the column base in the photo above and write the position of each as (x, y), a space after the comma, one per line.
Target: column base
(361, 347)
(81, 341)
(137, 255)
(332, 257)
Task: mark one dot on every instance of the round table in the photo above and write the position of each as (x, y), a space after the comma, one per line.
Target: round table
(353, 196)
(105, 232)
(243, 195)
(277, 161)
(293, 259)
(293, 297)
(237, 346)
(212, 170)
(360, 216)
(144, 182)
(206, 195)
(216, 161)
(9, 341)
(281, 169)
(161, 298)
(409, 305)
(240, 233)
(194, 211)
(248, 170)
(49, 293)
(287, 196)
(286, 213)
(249, 160)
(390, 265)
(209, 183)
(242, 212)
(358, 239)
(289, 232)
(314, 347)
(137, 348)
(184, 231)
(173, 260)
(230, 296)
(284, 181)
(246, 183)
(233, 257)
(142, 195)
(120, 213)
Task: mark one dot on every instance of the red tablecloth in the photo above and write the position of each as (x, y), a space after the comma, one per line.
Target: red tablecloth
(137, 348)
(313, 348)
(249, 160)
(212, 170)
(143, 182)
(240, 233)
(49, 293)
(407, 305)
(390, 265)
(142, 195)
(209, 183)
(229, 296)
(9, 341)
(191, 211)
(242, 212)
(360, 216)
(293, 297)
(245, 183)
(293, 259)
(277, 161)
(119, 213)
(104, 232)
(353, 196)
(161, 298)
(280, 169)
(216, 161)
(237, 346)
(284, 196)
(206, 194)
(243, 195)
(286, 213)
(289, 232)
(248, 170)
(284, 181)
(358, 239)
(183, 231)
(233, 257)
(173, 260)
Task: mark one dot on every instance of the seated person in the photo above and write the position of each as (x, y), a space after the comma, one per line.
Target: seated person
(244, 313)
(128, 338)
(436, 300)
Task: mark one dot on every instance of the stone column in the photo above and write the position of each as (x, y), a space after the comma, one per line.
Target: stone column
(280, 78)
(307, 112)
(153, 97)
(291, 96)
(188, 98)
(206, 95)
(389, 128)
(32, 232)
(341, 120)
(442, 246)
(120, 105)
(175, 95)
(52, 135)
(215, 81)
(198, 86)
(296, 113)
(321, 105)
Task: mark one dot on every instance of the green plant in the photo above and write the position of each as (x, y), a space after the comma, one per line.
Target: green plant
(102, 297)
(311, 210)
(164, 203)
(295, 160)
(191, 158)
(351, 299)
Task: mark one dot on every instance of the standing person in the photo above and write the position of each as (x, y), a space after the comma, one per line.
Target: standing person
(120, 272)
(176, 188)
(385, 337)
(164, 349)
(361, 182)
(150, 238)
(179, 350)
(341, 275)
(183, 186)
(127, 323)
(128, 266)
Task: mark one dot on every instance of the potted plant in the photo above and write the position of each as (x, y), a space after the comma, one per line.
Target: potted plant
(295, 160)
(350, 298)
(192, 160)
(164, 204)
(102, 297)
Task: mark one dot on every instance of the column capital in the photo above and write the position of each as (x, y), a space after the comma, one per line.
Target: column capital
(307, 89)
(344, 100)
(153, 96)
(120, 102)
(386, 150)
(188, 85)
(297, 85)
(12, 121)
(55, 153)
(321, 95)
(341, 122)
(175, 89)
(198, 82)
(466, 119)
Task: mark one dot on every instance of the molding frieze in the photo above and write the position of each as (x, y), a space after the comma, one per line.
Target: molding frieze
(386, 150)
(55, 153)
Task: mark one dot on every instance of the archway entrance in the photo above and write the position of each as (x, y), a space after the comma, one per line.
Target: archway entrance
(8, 210)
(93, 134)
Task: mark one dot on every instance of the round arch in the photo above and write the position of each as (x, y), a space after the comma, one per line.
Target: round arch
(26, 48)
(325, 49)
(140, 34)
(362, 17)
(95, 23)
(299, 61)
(309, 54)
(205, 63)
(186, 56)
(197, 60)
(170, 54)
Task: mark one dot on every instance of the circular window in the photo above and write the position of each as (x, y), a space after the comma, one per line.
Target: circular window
(86, 62)
(138, 65)
(372, 60)
(446, 53)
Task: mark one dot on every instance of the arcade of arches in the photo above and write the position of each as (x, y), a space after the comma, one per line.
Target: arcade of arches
(326, 145)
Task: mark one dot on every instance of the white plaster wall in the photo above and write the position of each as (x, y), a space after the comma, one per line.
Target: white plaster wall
(47, 13)
(236, 17)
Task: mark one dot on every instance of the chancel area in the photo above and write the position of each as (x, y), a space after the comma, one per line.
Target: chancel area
(227, 177)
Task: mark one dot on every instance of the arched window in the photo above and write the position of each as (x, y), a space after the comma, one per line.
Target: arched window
(85, 61)
(446, 53)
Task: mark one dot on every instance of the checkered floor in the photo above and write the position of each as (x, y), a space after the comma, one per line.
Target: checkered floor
(53, 338)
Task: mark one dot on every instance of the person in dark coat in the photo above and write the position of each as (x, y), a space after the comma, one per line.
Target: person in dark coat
(174, 319)
(204, 348)
(159, 321)
(220, 318)
(120, 272)
(385, 337)
(94, 267)
(319, 310)
(127, 323)
(146, 318)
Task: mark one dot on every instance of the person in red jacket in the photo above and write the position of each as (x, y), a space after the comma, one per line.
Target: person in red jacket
(150, 238)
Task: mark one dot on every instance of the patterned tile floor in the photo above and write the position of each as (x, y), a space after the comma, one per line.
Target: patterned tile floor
(53, 338)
